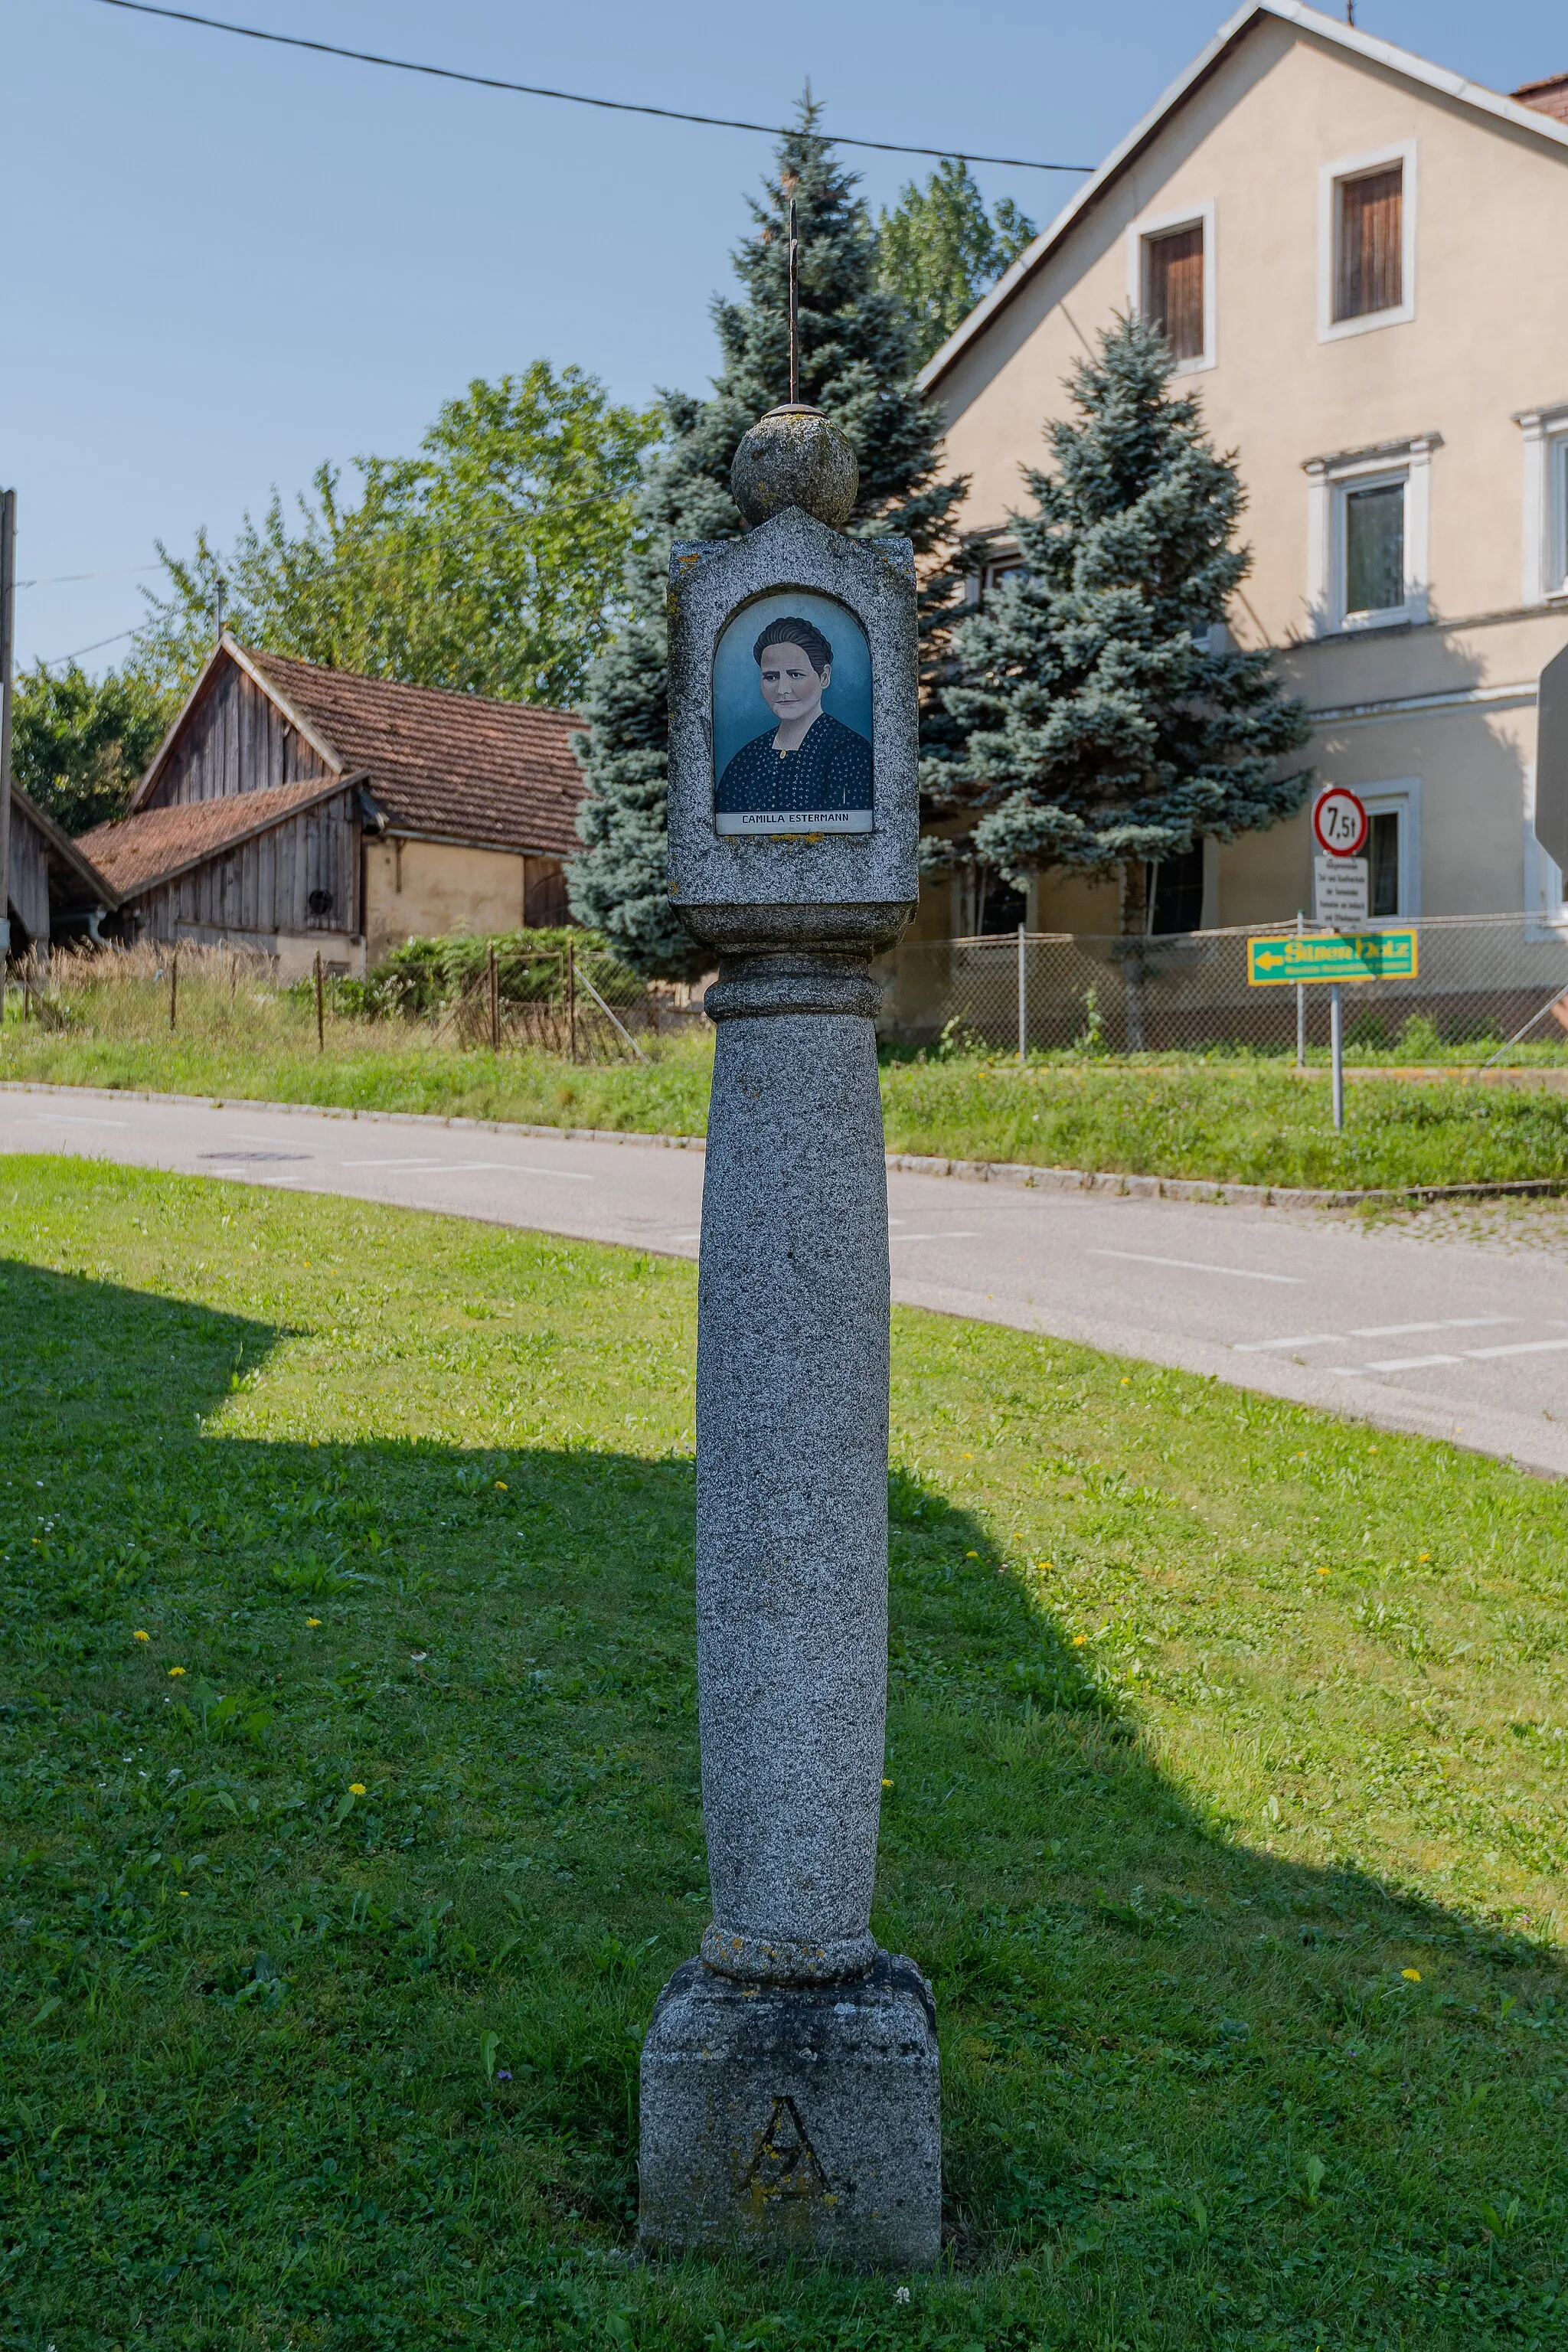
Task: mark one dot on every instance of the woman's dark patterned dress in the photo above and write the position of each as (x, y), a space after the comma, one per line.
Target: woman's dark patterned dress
(831, 768)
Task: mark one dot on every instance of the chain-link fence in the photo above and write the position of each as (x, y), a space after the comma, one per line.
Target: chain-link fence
(1480, 980)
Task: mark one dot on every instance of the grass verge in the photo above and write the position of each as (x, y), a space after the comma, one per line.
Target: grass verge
(1241, 1123)
(350, 1822)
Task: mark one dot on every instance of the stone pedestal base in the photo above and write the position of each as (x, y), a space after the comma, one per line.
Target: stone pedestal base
(791, 2119)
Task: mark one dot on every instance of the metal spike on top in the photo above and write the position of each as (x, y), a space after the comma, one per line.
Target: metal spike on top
(795, 456)
(794, 310)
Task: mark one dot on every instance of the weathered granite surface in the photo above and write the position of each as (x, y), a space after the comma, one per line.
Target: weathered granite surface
(709, 581)
(790, 2085)
(794, 456)
(805, 2123)
(792, 1491)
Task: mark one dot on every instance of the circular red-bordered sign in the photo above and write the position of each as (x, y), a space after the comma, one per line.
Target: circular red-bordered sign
(1341, 822)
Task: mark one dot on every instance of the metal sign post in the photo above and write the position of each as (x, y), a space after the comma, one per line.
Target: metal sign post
(1342, 882)
(1300, 960)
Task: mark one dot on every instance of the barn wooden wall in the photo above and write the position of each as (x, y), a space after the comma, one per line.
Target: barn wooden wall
(235, 740)
(29, 887)
(264, 883)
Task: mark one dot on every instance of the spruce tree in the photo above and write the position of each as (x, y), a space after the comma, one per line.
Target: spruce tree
(1105, 718)
(857, 365)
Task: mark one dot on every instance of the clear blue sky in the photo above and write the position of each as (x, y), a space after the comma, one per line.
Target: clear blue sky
(226, 262)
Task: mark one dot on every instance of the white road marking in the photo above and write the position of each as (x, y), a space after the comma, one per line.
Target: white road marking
(1450, 1323)
(1391, 1331)
(686, 1237)
(1313, 1339)
(1199, 1266)
(72, 1118)
(1518, 1348)
(961, 1234)
(1409, 1363)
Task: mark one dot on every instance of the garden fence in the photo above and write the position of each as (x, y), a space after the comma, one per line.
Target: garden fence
(1480, 980)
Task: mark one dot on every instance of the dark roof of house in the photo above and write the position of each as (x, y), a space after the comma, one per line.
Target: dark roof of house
(499, 774)
(135, 852)
(1547, 97)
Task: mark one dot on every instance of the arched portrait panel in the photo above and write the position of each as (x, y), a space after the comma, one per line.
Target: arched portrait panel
(792, 718)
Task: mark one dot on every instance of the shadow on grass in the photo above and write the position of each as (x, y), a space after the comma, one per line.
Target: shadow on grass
(364, 2059)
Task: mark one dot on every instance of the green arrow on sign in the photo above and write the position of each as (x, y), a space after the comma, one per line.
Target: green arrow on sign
(1299, 959)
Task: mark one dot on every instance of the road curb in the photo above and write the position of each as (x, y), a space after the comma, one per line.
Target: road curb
(1020, 1173)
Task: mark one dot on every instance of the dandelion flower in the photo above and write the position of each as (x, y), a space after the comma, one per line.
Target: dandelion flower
(176, 1669)
(356, 1787)
(312, 1621)
(140, 1636)
(1411, 1976)
(887, 1784)
(971, 1555)
(500, 1490)
(1079, 1640)
(185, 1894)
(1126, 1383)
(1425, 1555)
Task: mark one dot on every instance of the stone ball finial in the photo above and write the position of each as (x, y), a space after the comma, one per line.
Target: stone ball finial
(794, 456)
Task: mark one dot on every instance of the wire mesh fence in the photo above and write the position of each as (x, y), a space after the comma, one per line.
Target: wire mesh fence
(1479, 980)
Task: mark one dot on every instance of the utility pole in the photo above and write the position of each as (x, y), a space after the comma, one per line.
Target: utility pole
(7, 644)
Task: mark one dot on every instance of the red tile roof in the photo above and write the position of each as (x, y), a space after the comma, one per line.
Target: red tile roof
(500, 774)
(135, 852)
(1547, 97)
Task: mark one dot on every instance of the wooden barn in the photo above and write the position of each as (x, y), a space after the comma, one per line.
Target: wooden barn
(302, 811)
(54, 892)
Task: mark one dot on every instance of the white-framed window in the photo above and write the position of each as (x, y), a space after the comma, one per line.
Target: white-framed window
(1171, 277)
(1368, 536)
(1366, 241)
(1393, 851)
(1545, 893)
(1545, 550)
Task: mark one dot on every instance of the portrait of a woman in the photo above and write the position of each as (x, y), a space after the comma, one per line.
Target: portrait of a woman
(806, 760)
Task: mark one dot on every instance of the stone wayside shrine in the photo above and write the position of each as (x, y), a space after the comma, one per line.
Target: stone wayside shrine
(790, 2087)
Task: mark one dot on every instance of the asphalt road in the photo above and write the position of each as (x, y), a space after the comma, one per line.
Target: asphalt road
(1436, 1338)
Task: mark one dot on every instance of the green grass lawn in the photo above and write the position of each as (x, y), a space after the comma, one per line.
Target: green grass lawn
(348, 1765)
(1239, 1122)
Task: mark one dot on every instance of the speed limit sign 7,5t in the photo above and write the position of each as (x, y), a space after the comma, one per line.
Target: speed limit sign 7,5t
(1341, 822)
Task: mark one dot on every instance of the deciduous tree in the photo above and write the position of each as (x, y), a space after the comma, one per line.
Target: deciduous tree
(79, 744)
(488, 563)
(939, 250)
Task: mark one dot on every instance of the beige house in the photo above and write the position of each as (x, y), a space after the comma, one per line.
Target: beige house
(300, 810)
(1357, 256)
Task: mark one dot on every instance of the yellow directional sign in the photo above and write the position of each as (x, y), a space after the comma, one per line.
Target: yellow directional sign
(1290, 957)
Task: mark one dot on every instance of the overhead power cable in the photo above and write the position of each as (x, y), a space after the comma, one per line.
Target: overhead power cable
(59, 578)
(61, 659)
(572, 96)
